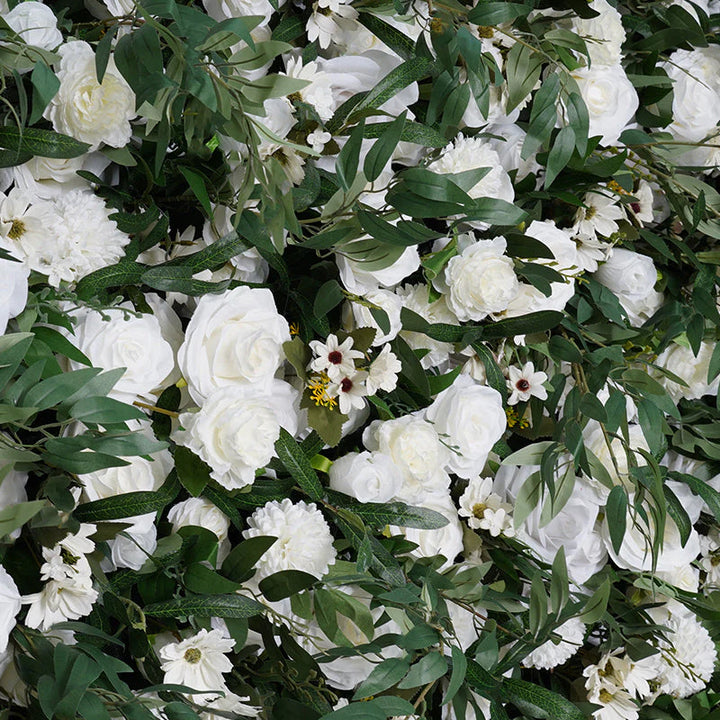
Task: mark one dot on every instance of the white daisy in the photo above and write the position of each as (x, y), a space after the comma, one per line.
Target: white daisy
(485, 509)
(598, 215)
(525, 383)
(350, 391)
(383, 372)
(334, 358)
(197, 662)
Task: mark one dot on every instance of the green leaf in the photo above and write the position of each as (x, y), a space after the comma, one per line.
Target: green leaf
(104, 411)
(560, 154)
(201, 579)
(616, 515)
(13, 347)
(383, 676)
(242, 557)
(15, 516)
(122, 273)
(527, 498)
(496, 13)
(380, 153)
(223, 606)
(428, 669)
(579, 121)
(45, 143)
(457, 678)
(390, 35)
(197, 185)
(539, 702)
(297, 464)
(538, 605)
(328, 297)
(481, 680)
(348, 159)
(193, 473)
(543, 115)
(559, 583)
(702, 489)
(678, 514)
(59, 388)
(285, 583)
(412, 370)
(596, 605)
(494, 212)
(45, 86)
(523, 68)
(412, 132)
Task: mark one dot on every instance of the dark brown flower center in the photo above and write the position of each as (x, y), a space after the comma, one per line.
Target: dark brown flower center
(346, 385)
(335, 357)
(522, 385)
(635, 206)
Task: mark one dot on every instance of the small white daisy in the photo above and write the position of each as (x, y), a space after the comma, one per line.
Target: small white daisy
(335, 359)
(598, 215)
(383, 372)
(526, 383)
(350, 391)
(485, 509)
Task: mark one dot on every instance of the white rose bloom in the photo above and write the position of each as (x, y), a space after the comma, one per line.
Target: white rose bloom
(236, 429)
(13, 290)
(304, 541)
(132, 552)
(369, 477)
(225, 9)
(362, 317)
(233, 338)
(199, 512)
(48, 178)
(610, 97)
(197, 662)
(696, 92)
(446, 541)
(36, 24)
(509, 149)
(360, 281)
(550, 655)
(632, 277)
(681, 361)
(12, 492)
(471, 419)
(604, 33)
(415, 298)
(636, 552)
(135, 343)
(481, 280)
(573, 528)
(86, 110)
(416, 450)
(10, 604)
(564, 250)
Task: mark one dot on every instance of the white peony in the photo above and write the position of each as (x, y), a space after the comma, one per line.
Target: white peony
(610, 98)
(632, 277)
(691, 368)
(10, 604)
(124, 341)
(304, 541)
(481, 280)
(369, 477)
(36, 24)
(471, 419)
(85, 109)
(236, 429)
(233, 338)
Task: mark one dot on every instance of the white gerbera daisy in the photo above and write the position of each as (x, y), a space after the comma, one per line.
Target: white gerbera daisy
(526, 383)
(485, 509)
(598, 215)
(197, 662)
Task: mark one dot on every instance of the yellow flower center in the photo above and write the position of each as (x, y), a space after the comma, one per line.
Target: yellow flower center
(17, 229)
(192, 655)
(605, 696)
(478, 510)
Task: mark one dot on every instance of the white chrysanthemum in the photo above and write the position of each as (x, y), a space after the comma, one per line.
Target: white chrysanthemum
(304, 541)
(551, 654)
(465, 154)
(84, 238)
(329, 20)
(318, 92)
(485, 509)
(89, 111)
(197, 662)
(688, 659)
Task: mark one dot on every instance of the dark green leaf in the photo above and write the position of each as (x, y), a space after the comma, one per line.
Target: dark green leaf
(285, 583)
(224, 606)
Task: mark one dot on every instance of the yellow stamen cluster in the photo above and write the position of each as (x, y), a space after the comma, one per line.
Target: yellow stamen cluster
(513, 419)
(294, 329)
(617, 188)
(485, 31)
(318, 385)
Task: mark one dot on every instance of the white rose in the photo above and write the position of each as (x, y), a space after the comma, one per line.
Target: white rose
(13, 290)
(362, 317)
(9, 607)
(574, 527)
(132, 552)
(471, 419)
(564, 250)
(36, 24)
(234, 338)
(508, 146)
(12, 492)
(446, 541)
(610, 98)
(225, 9)
(48, 178)
(199, 512)
(681, 361)
(369, 477)
(696, 92)
(632, 277)
(604, 33)
(236, 429)
(481, 280)
(416, 450)
(88, 111)
(360, 281)
(636, 552)
(135, 343)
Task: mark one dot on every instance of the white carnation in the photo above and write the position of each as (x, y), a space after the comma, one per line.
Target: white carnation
(85, 109)
(304, 541)
(551, 654)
